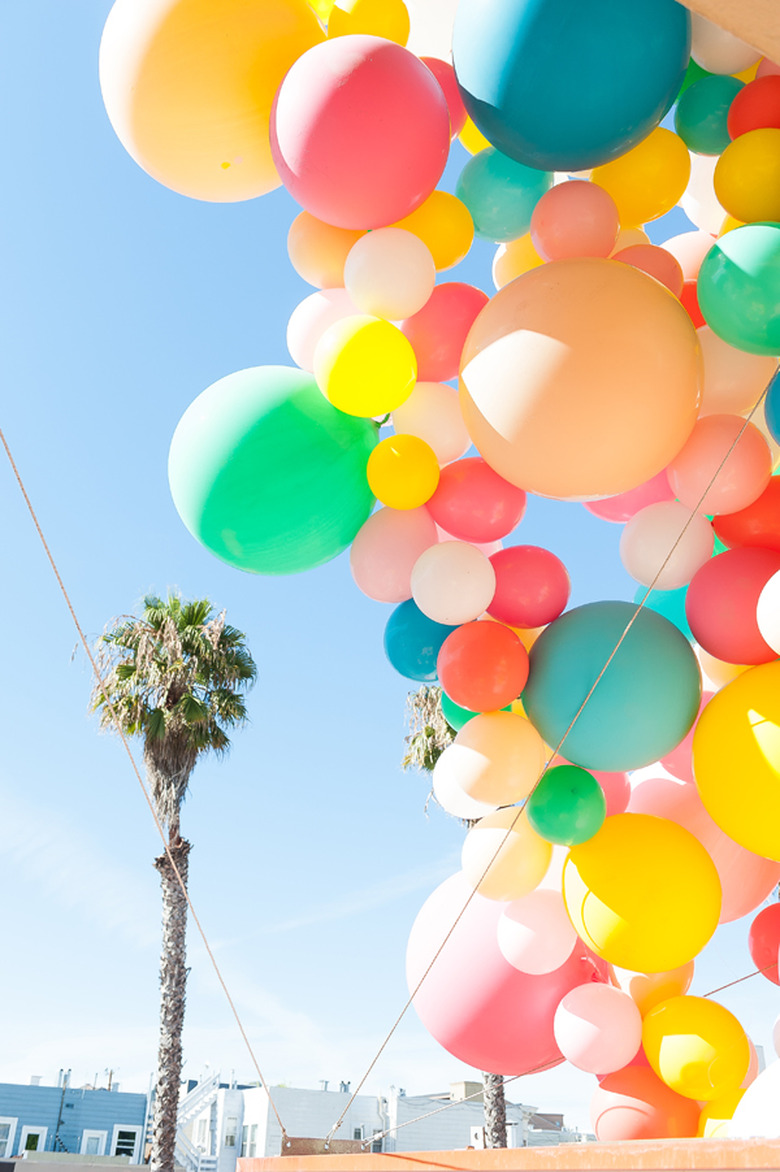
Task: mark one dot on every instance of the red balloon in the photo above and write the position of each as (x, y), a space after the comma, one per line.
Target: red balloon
(633, 1103)
(438, 331)
(474, 1002)
(473, 503)
(690, 300)
(445, 75)
(532, 586)
(360, 131)
(482, 666)
(758, 523)
(764, 941)
(621, 508)
(756, 106)
(721, 604)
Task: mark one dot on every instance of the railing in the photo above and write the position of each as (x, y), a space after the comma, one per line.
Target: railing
(199, 1097)
(191, 1158)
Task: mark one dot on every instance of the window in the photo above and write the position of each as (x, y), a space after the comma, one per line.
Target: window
(7, 1133)
(357, 1132)
(33, 1139)
(252, 1140)
(93, 1143)
(244, 1140)
(125, 1141)
(231, 1127)
(376, 1142)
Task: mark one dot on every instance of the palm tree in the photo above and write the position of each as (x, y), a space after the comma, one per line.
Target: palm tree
(429, 735)
(175, 677)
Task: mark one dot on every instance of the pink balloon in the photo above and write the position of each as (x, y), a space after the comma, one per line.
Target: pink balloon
(532, 586)
(622, 508)
(746, 878)
(766, 67)
(680, 760)
(617, 790)
(721, 604)
(656, 262)
(385, 550)
(741, 472)
(575, 218)
(474, 503)
(764, 941)
(445, 75)
(475, 1004)
(633, 1103)
(598, 1028)
(753, 1068)
(690, 249)
(487, 547)
(438, 331)
(311, 318)
(360, 131)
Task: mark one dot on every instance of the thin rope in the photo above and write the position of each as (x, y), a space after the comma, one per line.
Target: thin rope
(136, 771)
(639, 607)
(739, 980)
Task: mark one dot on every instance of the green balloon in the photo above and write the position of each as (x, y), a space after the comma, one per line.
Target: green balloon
(456, 716)
(739, 288)
(568, 805)
(267, 474)
(702, 111)
(501, 194)
(693, 74)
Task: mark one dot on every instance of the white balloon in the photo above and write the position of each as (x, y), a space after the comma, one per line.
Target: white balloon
(496, 758)
(432, 413)
(733, 379)
(690, 249)
(717, 50)
(757, 1115)
(389, 273)
(699, 201)
(311, 318)
(768, 612)
(650, 535)
(431, 22)
(535, 933)
(451, 796)
(453, 582)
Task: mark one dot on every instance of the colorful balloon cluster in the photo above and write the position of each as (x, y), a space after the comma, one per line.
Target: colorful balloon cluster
(603, 369)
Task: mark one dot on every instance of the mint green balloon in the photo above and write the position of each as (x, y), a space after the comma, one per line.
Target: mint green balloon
(739, 288)
(702, 112)
(267, 474)
(501, 194)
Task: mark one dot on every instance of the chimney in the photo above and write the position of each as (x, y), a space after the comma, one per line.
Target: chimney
(35, 1080)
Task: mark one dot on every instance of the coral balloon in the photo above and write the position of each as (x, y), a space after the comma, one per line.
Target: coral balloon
(413, 642)
(532, 586)
(483, 666)
(496, 758)
(402, 472)
(764, 941)
(444, 224)
(722, 600)
(739, 288)
(574, 219)
(453, 582)
(663, 545)
(389, 273)
(757, 524)
(649, 989)
(598, 1028)
(724, 465)
(747, 177)
(503, 857)
(733, 379)
(365, 366)
(311, 318)
(535, 933)
(756, 106)
(438, 332)
(318, 251)
(656, 262)
(696, 1046)
(625, 505)
(633, 1103)
(385, 549)
(648, 180)
(445, 75)
(473, 503)
(432, 413)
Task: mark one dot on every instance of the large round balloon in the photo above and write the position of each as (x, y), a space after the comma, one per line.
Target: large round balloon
(565, 86)
(642, 706)
(267, 474)
(413, 642)
(546, 371)
(696, 1046)
(475, 1003)
(189, 89)
(739, 288)
(633, 1103)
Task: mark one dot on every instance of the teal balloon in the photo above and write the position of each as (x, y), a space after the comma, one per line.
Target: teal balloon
(702, 112)
(413, 642)
(739, 288)
(670, 604)
(772, 407)
(643, 705)
(267, 474)
(456, 716)
(501, 194)
(568, 805)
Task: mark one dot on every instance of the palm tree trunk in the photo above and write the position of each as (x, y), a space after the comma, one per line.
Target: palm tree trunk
(173, 979)
(494, 1104)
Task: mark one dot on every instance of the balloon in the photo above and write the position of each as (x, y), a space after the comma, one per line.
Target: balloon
(453, 799)
(444, 224)
(755, 106)
(724, 465)
(663, 545)
(365, 366)
(747, 177)
(628, 237)
(696, 1046)
(496, 758)
(733, 379)
(267, 475)
(690, 249)
(689, 299)
(656, 262)
(766, 67)
(432, 413)
(413, 642)
(567, 806)
(473, 1002)
(679, 761)
(445, 75)
(772, 407)
(722, 600)
(402, 472)
(389, 273)
(385, 549)
(438, 332)
(542, 83)
(669, 603)
(756, 1113)
(472, 139)
(716, 671)
(719, 51)
(648, 989)
(473, 503)
(513, 259)
(503, 857)
(379, 18)
(702, 111)
(739, 288)
(757, 524)
(532, 586)
(645, 701)
(453, 582)
(483, 666)
(616, 789)
(318, 251)
(360, 132)
(776, 1036)
(648, 180)
(715, 1116)
(311, 318)
(500, 194)
(544, 371)
(764, 941)
(625, 505)
(738, 736)
(699, 201)
(455, 715)
(193, 108)
(598, 1028)
(768, 612)
(535, 933)
(633, 1103)
(752, 1073)
(574, 219)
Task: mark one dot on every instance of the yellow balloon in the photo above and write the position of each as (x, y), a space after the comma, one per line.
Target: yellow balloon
(365, 366)
(472, 138)
(377, 18)
(736, 759)
(748, 74)
(502, 857)
(188, 88)
(648, 989)
(513, 259)
(444, 223)
(728, 224)
(323, 8)
(715, 1117)
(647, 181)
(696, 1046)
(318, 250)
(747, 176)
(403, 472)
(642, 893)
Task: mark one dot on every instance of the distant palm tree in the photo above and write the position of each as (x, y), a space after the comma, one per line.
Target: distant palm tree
(429, 735)
(175, 677)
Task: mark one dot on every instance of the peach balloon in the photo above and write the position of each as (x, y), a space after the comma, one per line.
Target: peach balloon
(656, 262)
(575, 218)
(317, 250)
(633, 1103)
(452, 797)
(432, 413)
(385, 550)
(389, 273)
(663, 545)
(502, 857)
(718, 671)
(690, 249)
(649, 989)
(546, 369)
(513, 259)
(723, 466)
(733, 379)
(598, 1028)
(311, 318)
(453, 582)
(496, 758)
(535, 933)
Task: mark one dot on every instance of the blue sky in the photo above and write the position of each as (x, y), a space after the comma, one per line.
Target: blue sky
(312, 853)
